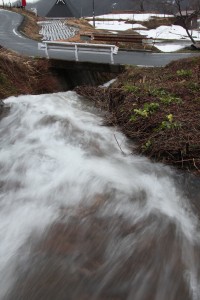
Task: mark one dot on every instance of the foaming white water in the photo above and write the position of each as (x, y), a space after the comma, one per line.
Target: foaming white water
(55, 153)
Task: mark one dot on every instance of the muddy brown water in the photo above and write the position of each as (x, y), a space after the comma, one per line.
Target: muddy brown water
(81, 220)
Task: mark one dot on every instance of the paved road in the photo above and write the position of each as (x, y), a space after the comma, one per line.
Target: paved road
(10, 38)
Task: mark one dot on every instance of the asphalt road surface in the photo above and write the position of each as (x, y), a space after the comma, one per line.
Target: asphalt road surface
(11, 38)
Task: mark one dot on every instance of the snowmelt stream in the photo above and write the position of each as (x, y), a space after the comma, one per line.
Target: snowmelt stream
(57, 159)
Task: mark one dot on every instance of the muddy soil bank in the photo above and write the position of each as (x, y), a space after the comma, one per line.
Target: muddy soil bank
(159, 109)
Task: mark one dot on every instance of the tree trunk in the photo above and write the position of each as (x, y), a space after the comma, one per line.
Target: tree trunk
(184, 19)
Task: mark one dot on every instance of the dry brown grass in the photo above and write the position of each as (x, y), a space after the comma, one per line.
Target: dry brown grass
(84, 28)
(156, 22)
(171, 131)
(19, 75)
(82, 24)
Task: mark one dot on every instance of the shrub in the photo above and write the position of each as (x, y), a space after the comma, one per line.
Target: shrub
(165, 97)
(184, 73)
(148, 108)
(168, 123)
(146, 146)
(131, 88)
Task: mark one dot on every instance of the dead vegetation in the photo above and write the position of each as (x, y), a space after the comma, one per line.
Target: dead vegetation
(83, 28)
(159, 109)
(155, 22)
(19, 75)
(82, 24)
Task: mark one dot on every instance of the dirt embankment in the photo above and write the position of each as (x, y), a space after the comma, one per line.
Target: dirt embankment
(159, 108)
(21, 76)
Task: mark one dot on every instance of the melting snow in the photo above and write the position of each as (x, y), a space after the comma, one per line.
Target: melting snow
(173, 32)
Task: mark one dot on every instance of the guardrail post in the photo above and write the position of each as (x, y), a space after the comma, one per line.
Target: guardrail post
(111, 55)
(46, 50)
(76, 52)
(74, 47)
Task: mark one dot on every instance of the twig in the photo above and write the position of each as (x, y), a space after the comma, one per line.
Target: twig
(195, 165)
(180, 161)
(119, 145)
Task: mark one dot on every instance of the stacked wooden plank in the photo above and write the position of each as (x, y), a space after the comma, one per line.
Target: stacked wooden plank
(117, 38)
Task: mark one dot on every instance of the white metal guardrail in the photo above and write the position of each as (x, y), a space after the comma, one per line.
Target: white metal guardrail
(79, 47)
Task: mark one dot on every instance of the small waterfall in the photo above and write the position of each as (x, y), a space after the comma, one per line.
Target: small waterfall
(79, 219)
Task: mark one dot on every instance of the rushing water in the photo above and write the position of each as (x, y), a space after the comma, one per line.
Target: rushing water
(81, 220)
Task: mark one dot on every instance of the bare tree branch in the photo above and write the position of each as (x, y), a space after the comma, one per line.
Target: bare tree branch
(185, 14)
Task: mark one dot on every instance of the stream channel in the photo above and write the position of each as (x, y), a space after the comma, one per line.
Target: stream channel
(80, 220)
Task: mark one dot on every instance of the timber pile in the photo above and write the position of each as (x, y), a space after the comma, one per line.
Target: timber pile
(127, 38)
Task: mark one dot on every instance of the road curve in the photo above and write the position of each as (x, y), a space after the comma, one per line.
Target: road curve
(12, 39)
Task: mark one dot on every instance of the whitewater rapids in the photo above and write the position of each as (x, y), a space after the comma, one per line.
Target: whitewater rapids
(79, 219)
